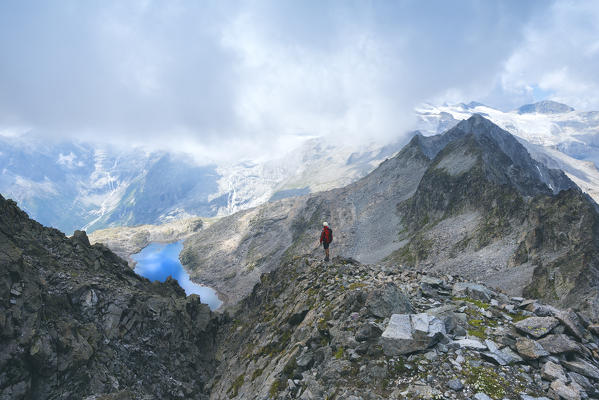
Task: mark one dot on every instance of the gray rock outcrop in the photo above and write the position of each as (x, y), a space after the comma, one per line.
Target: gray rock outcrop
(76, 321)
(407, 333)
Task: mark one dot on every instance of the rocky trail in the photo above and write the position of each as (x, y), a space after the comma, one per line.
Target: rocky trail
(343, 330)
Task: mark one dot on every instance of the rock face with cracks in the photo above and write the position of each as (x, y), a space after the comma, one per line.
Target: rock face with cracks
(76, 321)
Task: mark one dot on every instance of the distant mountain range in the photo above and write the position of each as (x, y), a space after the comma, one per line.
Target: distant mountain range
(83, 186)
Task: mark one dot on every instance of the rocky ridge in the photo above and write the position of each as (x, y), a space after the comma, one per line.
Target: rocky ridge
(471, 202)
(76, 322)
(343, 330)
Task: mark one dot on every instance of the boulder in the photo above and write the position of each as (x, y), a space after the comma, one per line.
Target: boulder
(552, 371)
(455, 384)
(537, 326)
(584, 382)
(472, 290)
(564, 391)
(582, 367)
(367, 332)
(431, 281)
(500, 357)
(572, 323)
(542, 310)
(560, 343)
(305, 361)
(530, 349)
(407, 333)
(382, 302)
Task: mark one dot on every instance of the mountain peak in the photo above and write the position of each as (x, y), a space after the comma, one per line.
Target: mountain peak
(475, 122)
(545, 107)
(505, 159)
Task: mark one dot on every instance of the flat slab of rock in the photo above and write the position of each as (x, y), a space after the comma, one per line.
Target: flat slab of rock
(572, 323)
(472, 290)
(470, 343)
(552, 371)
(583, 368)
(407, 333)
(559, 343)
(537, 326)
(501, 357)
(530, 349)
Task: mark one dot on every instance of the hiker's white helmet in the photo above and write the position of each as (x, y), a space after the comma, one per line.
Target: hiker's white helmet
(325, 224)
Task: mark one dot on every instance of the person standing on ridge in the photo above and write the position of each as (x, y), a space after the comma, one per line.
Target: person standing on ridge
(326, 237)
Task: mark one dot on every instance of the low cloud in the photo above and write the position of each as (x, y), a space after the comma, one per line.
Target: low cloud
(247, 78)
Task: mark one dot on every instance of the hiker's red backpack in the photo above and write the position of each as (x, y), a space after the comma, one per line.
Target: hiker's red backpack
(328, 234)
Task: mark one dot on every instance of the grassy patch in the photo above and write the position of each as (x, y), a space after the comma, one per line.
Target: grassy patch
(518, 317)
(357, 285)
(339, 353)
(486, 380)
(478, 303)
(479, 326)
(276, 387)
(257, 373)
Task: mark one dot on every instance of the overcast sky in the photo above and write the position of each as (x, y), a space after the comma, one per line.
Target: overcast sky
(240, 76)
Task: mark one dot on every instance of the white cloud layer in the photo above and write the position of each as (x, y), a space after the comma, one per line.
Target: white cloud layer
(226, 79)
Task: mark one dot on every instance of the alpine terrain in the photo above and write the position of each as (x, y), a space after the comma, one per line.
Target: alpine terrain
(471, 201)
(77, 323)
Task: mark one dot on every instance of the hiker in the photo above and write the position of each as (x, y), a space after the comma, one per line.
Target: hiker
(326, 237)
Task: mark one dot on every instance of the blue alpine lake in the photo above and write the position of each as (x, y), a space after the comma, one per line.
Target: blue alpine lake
(158, 261)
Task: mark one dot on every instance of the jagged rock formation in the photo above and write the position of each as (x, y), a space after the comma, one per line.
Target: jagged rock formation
(503, 219)
(553, 133)
(76, 321)
(343, 330)
(470, 202)
(126, 241)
